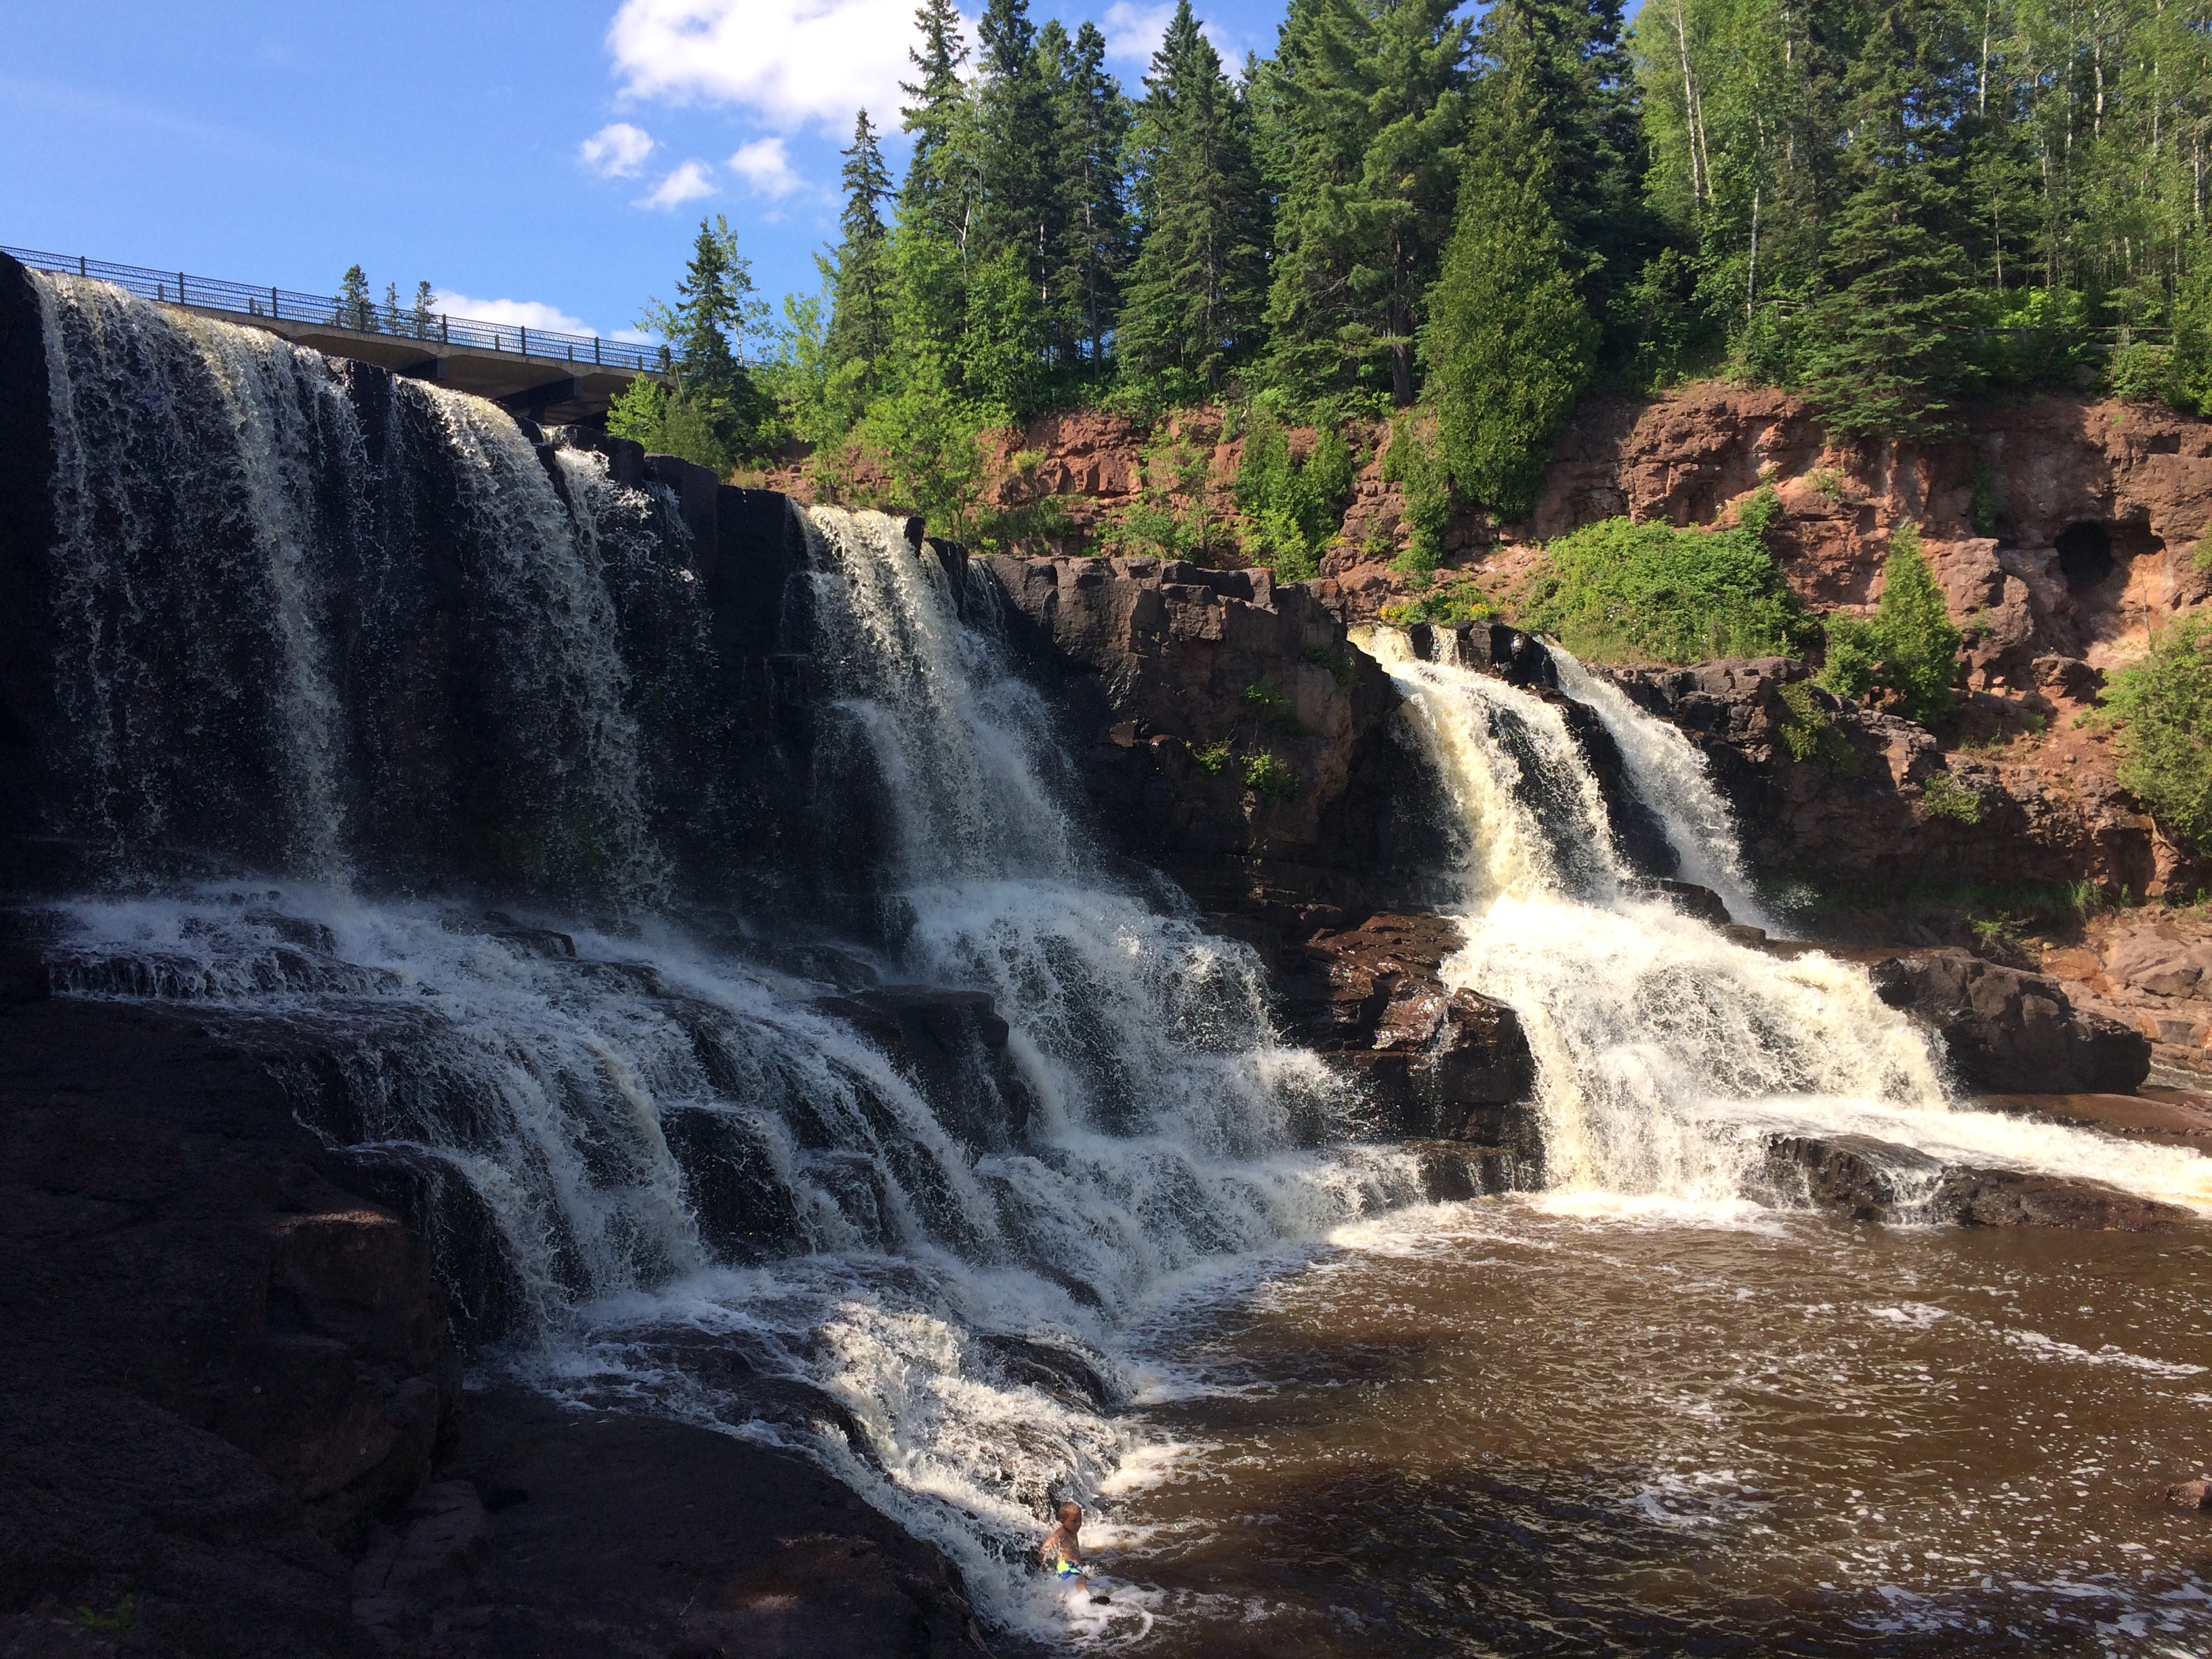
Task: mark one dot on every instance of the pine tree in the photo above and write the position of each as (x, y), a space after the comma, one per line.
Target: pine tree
(1194, 302)
(1364, 100)
(859, 317)
(932, 199)
(1093, 253)
(423, 316)
(1888, 349)
(391, 318)
(1510, 344)
(356, 309)
(1017, 216)
(1575, 83)
(706, 330)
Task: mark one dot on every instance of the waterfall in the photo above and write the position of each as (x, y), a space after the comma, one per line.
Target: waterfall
(347, 659)
(1670, 777)
(1667, 1053)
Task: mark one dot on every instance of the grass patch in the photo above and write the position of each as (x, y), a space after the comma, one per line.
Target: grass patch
(1945, 796)
(1452, 600)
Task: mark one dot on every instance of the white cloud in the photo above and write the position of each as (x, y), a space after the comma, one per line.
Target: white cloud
(687, 184)
(1133, 33)
(524, 314)
(792, 61)
(617, 151)
(764, 167)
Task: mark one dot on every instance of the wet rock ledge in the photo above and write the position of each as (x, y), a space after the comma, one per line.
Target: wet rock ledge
(232, 1417)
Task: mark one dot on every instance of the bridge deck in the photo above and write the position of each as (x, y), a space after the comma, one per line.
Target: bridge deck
(550, 376)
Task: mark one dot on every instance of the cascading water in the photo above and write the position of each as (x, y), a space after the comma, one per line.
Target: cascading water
(343, 656)
(1669, 1054)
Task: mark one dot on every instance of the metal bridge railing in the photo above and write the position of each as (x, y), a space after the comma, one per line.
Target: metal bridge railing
(210, 294)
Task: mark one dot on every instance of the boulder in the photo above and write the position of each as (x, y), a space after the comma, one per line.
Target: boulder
(2004, 1029)
(2190, 1494)
(1872, 1180)
(1437, 1062)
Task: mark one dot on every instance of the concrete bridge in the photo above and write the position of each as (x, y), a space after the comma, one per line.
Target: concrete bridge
(549, 376)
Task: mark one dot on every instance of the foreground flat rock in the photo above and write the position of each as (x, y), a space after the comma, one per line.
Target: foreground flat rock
(1871, 1180)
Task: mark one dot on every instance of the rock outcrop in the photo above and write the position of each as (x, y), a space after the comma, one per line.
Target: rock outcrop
(2150, 970)
(2004, 1031)
(1848, 798)
(1438, 1064)
(1227, 732)
(1871, 1180)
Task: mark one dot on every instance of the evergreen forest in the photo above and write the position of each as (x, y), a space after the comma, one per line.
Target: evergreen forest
(1889, 206)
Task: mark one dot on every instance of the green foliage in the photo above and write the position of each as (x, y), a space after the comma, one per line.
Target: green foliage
(929, 439)
(859, 329)
(122, 1617)
(715, 313)
(2202, 558)
(2159, 710)
(1363, 115)
(1984, 506)
(356, 309)
(2141, 373)
(1270, 778)
(1211, 757)
(1454, 599)
(1810, 735)
(1269, 705)
(1827, 481)
(1425, 484)
(1510, 344)
(667, 422)
(1945, 796)
(2034, 339)
(1192, 302)
(1909, 647)
(1293, 507)
(1341, 666)
(1174, 516)
(1620, 592)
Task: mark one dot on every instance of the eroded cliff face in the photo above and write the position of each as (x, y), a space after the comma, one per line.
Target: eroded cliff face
(1228, 731)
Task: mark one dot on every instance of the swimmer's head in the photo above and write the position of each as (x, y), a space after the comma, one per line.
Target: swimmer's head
(1071, 1514)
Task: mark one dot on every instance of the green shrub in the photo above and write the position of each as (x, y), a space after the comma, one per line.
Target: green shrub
(2159, 710)
(1292, 508)
(1908, 646)
(1269, 778)
(1945, 796)
(1454, 599)
(1982, 508)
(2141, 373)
(1425, 487)
(1269, 704)
(668, 423)
(1212, 757)
(1810, 735)
(1622, 592)
(2202, 558)
(931, 442)
(1341, 666)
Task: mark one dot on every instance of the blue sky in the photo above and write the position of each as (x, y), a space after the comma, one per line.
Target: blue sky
(545, 164)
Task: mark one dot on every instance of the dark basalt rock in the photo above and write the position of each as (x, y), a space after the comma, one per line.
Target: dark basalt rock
(1435, 1062)
(953, 1045)
(2005, 1030)
(1172, 681)
(1871, 1180)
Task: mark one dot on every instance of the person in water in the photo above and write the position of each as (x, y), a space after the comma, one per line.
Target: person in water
(1062, 1550)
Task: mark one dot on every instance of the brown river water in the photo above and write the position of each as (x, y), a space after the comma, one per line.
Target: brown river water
(1533, 1426)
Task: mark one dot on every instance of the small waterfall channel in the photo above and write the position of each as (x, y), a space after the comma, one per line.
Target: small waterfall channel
(1668, 1053)
(396, 746)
